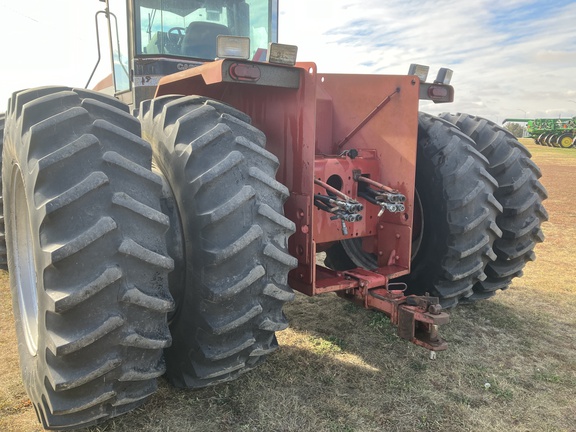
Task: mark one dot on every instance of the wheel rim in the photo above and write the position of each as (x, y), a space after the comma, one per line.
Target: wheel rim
(367, 260)
(24, 269)
(417, 226)
(566, 142)
(358, 255)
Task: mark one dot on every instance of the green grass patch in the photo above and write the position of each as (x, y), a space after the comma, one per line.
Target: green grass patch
(329, 345)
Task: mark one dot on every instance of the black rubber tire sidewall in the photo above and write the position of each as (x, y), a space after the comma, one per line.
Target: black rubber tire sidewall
(519, 192)
(99, 254)
(230, 210)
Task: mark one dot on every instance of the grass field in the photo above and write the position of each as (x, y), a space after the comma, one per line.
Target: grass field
(511, 364)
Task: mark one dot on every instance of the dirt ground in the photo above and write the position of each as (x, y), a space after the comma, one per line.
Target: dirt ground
(511, 364)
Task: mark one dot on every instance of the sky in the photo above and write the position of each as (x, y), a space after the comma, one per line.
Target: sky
(511, 58)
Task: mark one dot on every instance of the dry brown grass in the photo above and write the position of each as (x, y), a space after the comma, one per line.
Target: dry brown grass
(341, 368)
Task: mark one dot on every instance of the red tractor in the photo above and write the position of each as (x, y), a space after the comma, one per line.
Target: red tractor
(158, 224)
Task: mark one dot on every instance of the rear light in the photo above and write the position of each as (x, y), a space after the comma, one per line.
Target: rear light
(439, 93)
(244, 72)
(233, 47)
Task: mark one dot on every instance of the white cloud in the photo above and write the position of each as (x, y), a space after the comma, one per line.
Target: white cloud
(508, 56)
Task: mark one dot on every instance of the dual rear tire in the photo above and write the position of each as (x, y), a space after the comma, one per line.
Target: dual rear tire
(86, 254)
(519, 192)
(479, 207)
(232, 274)
(105, 230)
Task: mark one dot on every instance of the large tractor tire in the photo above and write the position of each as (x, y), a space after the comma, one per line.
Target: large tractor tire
(3, 258)
(230, 242)
(455, 217)
(520, 194)
(86, 254)
(565, 140)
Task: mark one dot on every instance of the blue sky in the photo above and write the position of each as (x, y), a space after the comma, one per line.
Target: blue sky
(510, 58)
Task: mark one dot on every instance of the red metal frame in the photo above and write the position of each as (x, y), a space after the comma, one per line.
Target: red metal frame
(309, 129)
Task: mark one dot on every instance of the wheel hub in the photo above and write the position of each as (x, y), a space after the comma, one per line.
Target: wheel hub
(566, 142)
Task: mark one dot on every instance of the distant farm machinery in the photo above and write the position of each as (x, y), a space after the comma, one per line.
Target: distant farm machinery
(560, 132)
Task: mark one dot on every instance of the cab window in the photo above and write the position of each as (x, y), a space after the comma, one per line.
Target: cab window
(189, 28)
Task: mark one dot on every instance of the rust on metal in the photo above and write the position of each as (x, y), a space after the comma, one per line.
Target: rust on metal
(416, 317)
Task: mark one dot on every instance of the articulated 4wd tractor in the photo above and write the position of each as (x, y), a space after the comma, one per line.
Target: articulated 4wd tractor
(158, 225)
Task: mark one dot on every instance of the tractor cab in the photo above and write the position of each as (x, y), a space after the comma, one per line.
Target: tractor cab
(154, 38)
(191, 28)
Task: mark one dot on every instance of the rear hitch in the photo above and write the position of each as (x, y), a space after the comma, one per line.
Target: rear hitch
(417, 318)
